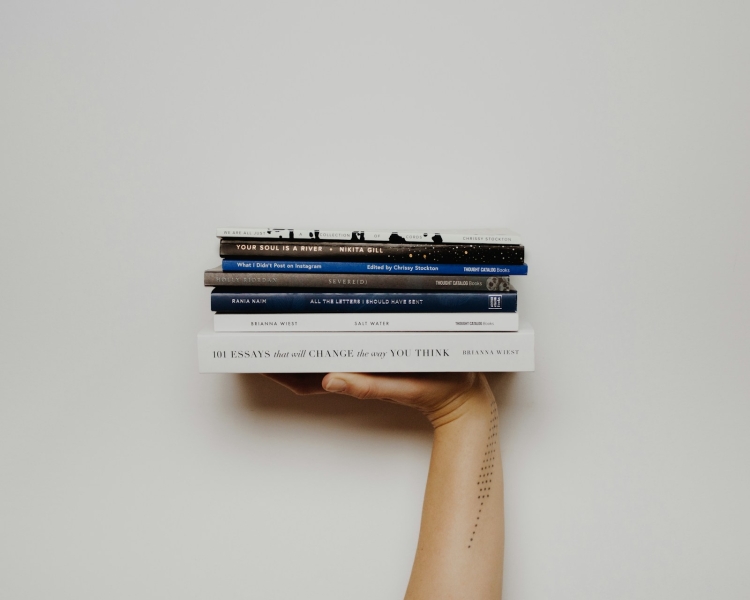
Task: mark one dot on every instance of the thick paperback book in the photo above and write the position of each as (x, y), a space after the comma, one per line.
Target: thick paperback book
(243, 300)
(365, 352)
(293, 266)
(447, 236)
(372, 251)
(507, 321)
(466, 283)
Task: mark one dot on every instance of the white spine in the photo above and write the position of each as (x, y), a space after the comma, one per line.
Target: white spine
(322, 322)
(449, 236)
(365, 352)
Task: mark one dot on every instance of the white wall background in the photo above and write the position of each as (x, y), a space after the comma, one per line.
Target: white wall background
(615, 136)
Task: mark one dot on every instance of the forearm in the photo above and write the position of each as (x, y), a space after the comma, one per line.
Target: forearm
(460, 548)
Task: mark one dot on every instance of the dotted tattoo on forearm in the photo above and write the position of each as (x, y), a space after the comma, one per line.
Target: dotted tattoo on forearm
(484, 483)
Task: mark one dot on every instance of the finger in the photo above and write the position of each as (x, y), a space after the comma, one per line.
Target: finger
(299, 383)
(403, 388)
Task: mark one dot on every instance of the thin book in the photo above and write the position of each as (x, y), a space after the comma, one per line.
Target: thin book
(322, 322)
(432, 236)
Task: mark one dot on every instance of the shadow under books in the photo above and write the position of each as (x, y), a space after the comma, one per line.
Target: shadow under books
(266, 399)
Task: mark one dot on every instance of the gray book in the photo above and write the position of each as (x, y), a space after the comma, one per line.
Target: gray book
(444, 283)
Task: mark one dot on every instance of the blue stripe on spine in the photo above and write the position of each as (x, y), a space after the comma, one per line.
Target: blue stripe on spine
(288, 266)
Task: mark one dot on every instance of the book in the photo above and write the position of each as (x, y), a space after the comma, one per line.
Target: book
(247, 300)
(466, 283)
(373, 251)
(288, 266)
(365, 352)
(506, 321)
(447, 236)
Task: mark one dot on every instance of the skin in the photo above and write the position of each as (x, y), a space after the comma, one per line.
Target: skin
(460, 548)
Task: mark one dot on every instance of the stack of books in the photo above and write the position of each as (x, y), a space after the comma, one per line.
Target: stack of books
(291, 300)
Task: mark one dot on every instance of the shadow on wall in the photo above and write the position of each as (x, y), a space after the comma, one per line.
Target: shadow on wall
(267, 400)
(504, 386)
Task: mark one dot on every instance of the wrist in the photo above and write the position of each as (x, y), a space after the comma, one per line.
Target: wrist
(470, 405)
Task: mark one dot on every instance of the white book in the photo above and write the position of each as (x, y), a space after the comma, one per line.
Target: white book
(365, 352)
(334, 322)
(445, 236)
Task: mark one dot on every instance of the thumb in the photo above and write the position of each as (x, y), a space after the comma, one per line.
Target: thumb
(363, 385)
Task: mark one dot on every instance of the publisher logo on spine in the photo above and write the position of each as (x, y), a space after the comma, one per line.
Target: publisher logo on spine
(496, 302)
(493, 284)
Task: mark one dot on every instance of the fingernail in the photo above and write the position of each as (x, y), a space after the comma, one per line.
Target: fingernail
(336, 385)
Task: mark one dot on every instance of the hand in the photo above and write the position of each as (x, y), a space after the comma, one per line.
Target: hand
(441, 397)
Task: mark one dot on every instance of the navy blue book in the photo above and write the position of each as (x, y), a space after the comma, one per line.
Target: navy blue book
(244, 300)
(294, 266)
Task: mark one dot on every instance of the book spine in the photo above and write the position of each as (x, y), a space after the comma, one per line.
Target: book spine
(365, 352)
(367, 322)
(228, 300)
(499, 236)
(280, 266)
(385, 282)
(365, 252)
